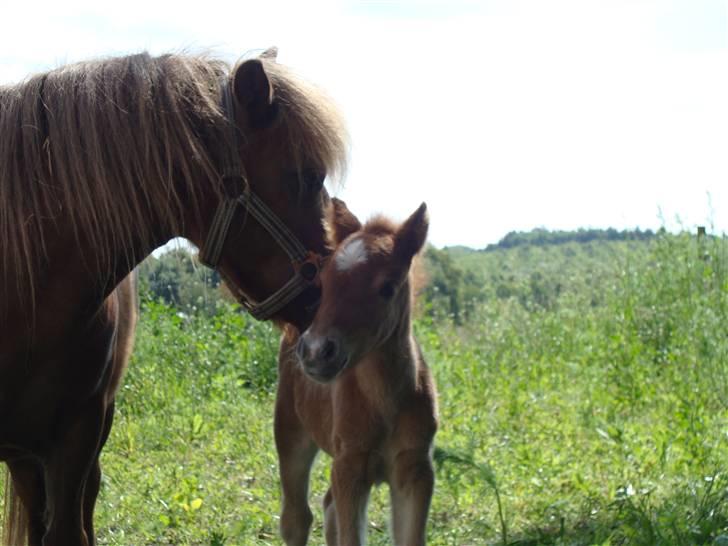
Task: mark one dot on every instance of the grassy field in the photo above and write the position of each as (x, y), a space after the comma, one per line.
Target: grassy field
(584, 401)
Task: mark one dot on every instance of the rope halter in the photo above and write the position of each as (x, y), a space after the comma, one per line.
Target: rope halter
(306, 264)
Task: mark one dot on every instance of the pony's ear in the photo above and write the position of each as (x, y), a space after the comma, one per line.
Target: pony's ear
(411, 235)
(271, 53)
(340, 222)
(254, 93)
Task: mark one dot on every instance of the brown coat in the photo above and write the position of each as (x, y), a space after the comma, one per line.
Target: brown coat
(369, 404)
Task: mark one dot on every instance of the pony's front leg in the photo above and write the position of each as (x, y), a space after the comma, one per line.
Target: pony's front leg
(66, 473)
(27, 478)
(411, 485)
(351, 496)
(93, 482)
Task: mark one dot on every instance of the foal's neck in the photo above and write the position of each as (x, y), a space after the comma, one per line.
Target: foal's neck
(396, 358)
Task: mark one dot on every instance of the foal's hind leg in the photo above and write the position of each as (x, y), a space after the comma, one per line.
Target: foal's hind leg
(27, 476)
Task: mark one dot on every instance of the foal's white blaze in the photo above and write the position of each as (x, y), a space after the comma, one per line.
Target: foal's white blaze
(353, 254)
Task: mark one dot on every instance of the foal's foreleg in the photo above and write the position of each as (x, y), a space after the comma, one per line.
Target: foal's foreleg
(296, 517)
(296, 452)
(411, 486)
(351, 496)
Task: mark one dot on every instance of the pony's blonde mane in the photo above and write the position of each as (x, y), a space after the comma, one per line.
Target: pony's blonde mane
(312, 123)
(106, 145)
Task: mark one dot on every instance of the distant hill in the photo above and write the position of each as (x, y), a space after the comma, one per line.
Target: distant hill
(535, 268)
(544, 237)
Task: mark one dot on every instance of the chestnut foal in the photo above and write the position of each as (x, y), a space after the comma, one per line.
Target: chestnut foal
(355, 384)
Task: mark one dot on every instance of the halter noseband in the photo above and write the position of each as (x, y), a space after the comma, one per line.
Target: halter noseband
(306, 264)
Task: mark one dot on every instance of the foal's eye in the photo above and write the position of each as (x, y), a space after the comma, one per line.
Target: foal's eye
(387, 290)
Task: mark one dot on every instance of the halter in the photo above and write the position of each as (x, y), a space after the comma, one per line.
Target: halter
(306, 264)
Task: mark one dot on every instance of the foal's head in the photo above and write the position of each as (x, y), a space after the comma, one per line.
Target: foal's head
(366, 291)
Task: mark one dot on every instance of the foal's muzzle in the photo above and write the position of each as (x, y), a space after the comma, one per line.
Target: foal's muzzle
(320, 356)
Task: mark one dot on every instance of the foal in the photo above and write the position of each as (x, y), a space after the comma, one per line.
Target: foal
(358, 387)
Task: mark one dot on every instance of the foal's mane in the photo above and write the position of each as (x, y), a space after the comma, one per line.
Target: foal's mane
(101, 145)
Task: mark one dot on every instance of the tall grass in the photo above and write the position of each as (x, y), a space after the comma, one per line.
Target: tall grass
(604, 413)
(584, 402)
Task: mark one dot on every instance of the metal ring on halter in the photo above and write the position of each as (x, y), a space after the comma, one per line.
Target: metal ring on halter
(307, 273)
(306, 265)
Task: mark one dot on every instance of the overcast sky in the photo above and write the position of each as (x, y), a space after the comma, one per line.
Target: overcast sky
(502, 115)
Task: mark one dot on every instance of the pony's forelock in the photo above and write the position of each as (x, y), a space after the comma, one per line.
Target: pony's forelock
(307, 110)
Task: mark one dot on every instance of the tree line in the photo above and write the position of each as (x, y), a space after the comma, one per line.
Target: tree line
(544, 237)
(451, 289)
(178, 279)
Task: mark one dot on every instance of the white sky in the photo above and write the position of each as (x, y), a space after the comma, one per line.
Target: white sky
(502, 115)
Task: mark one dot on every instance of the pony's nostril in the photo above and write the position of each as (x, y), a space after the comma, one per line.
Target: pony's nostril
(329, 351)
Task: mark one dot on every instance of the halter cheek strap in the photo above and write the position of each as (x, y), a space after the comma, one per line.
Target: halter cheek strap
(306, 265)
(231, 171)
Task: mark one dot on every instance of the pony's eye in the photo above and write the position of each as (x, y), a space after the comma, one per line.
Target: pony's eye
(313, 179)
(387, 290)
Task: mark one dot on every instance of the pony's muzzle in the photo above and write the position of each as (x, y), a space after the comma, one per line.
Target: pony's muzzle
(320, 356)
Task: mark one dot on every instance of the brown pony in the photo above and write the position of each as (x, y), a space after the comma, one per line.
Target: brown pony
(357, 387)
(100, 163)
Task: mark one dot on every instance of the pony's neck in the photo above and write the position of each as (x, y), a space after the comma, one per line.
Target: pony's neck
(70, 286)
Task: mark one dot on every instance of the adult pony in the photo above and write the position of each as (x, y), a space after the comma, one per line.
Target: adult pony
(100, 163)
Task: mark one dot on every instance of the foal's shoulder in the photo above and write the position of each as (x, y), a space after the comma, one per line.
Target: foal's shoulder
(287, 348)
(425, 385)
(422, 366)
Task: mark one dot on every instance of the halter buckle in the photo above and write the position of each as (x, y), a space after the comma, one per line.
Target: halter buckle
(233, 184)
(309, 269)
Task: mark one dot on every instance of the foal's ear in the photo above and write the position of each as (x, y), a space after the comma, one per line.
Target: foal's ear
(411, 235)
(254, 93)
(340, 222)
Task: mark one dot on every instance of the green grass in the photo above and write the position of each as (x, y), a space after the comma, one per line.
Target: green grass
(583, 402)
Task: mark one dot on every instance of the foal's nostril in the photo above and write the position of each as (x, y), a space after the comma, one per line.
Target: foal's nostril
(329, 350)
